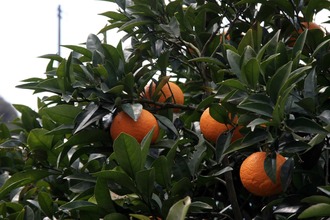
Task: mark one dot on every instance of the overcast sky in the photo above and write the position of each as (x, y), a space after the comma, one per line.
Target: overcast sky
(29, 28)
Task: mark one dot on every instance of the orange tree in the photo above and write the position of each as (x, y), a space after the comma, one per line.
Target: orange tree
(60, 161)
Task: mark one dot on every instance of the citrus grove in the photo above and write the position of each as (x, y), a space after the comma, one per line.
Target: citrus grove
(178, 121)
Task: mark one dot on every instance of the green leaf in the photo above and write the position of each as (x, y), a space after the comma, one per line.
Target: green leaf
(257, 32)
(81, 50)
(102, 195)
(140, 217)
(128, 154)
(28, 116)
(79, 205)
(62, 114)
(133, 110)
(235, 84)
(270, 167)
(86, 136)
(92, 113)
(315, 199)
(115, 216)
(251, 72)
(181, 187)
(271, 43)
(167, 123)
(294, 77)
(209, 60)
(179, 210)
(324, 189)
(222, 144)
(257, 107)
(234, 61)
(137, 22)
(145, 180)
(299, 44)
(258, 121)
(219, 113)
(39, 139)
(21, 179)
(120, 177)
(46, 203)
(277, 81)
(162, 171)
(286, 173)
(196, 159)
(310, 85)
(55, 57)
(173, 28)
(318, 210)
(320, 46)
(93, 43)
(247, 40)
(306, 125)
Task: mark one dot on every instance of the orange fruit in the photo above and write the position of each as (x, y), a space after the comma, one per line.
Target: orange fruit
(212, 129)
(254, 177)
(123, 123)
(170, 92)
(306, 25)
(227, 37)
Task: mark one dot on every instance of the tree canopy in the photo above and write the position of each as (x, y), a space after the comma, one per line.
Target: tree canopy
(259, 61)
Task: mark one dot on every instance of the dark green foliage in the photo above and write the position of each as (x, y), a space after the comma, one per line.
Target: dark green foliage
(60, 162)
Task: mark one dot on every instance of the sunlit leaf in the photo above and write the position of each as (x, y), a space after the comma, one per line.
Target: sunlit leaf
(179, 210)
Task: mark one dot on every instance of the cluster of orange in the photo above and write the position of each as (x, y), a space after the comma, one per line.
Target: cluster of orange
(123, 123)
(252, 171)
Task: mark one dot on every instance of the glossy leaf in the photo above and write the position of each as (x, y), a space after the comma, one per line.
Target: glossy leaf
(276, 82)
(234, 62)
(38, 139)
(133, 110)
(102, 194)
(128, 154)
(287, 170)
(86, 136)
(250, 72)
(315, 199)
(179, 210)
(270, 167)
(62, 114)
(318, 210)
(303, 124)
(46, 203)
(20, 179)
(246, 41)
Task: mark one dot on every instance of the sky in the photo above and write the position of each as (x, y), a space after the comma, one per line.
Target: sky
(29, 29)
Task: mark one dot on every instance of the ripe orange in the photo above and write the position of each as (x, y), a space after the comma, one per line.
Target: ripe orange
(227, 37)
(138, 129)
(306, 25)
(170, 92)
(212, 129)
(254, 177)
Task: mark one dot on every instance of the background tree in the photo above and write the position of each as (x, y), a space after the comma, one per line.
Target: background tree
(257, 68)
